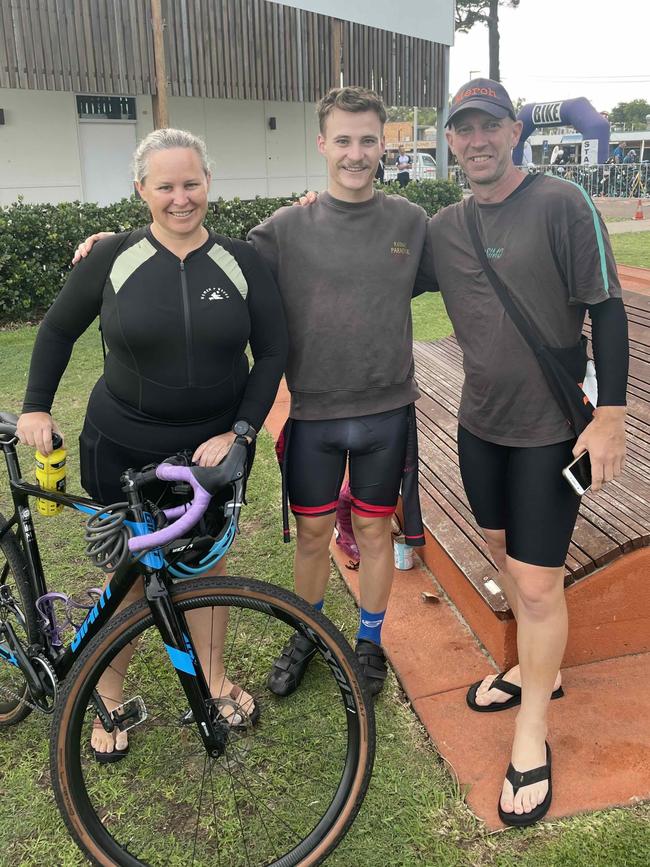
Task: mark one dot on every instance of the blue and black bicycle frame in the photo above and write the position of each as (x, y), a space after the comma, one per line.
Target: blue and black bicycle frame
(169, 620)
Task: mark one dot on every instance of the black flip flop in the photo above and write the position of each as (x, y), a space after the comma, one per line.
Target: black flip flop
(512, 689)
(108, 758)
(519, 779)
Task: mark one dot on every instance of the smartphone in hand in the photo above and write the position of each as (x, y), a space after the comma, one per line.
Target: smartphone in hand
(578, 474)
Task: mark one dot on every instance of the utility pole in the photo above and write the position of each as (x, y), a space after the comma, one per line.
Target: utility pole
(159, 100)
(415, 143)
(337, 48)
(442, 159)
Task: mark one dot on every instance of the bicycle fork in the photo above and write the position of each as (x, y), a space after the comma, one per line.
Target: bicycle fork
(180, 648)
(11, 650)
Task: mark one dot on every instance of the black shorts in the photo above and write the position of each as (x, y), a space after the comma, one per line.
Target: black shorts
(521, 491)
(116, 436)
(318, 454)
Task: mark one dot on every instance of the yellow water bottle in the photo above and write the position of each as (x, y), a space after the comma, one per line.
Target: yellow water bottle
(50, 475)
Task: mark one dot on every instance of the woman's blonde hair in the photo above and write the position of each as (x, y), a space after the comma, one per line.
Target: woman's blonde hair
(165, 139)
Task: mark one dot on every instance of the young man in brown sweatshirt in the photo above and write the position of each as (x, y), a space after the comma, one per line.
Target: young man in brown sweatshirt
(346, 268)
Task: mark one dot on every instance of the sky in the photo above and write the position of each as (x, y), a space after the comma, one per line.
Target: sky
(560, 49)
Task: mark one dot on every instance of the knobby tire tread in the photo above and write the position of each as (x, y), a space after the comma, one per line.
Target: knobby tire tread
(67, 710)
(13, 712)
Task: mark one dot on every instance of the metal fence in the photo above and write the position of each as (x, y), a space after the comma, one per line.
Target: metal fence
(630, 180)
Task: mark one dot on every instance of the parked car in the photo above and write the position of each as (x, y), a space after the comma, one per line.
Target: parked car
(425, 167)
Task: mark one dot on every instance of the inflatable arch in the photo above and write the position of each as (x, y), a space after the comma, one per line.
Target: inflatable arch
(578, 113)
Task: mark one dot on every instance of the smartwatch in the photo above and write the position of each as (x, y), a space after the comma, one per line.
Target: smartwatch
(242, 428)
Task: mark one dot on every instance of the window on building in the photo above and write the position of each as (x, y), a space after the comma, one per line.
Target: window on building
(106, 107)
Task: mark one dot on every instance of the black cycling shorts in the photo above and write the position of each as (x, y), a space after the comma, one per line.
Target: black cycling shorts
(319, 451)
(116, 437)
(521, 491)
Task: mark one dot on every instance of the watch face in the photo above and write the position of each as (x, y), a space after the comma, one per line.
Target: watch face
(241, 428)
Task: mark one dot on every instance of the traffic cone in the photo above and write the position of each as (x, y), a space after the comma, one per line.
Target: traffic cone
(639, 211)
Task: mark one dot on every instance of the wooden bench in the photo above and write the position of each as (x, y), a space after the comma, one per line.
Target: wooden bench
(608, 564)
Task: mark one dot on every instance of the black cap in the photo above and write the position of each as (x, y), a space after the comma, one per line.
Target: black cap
(485, 95)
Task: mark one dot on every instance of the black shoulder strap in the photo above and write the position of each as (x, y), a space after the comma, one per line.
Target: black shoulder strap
(527, 330)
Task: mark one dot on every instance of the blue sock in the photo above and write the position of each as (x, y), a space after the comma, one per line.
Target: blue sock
(370, 625)
(319, 605)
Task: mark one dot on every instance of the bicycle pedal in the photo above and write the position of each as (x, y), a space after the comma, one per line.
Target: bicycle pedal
(129, 714)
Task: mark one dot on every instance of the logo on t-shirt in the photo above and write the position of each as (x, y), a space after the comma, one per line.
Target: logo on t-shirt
(214, 294)
(399, 248)
(494, 252)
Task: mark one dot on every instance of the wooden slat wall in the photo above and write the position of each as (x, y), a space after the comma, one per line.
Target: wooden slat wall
(94, 46)
(232, 49)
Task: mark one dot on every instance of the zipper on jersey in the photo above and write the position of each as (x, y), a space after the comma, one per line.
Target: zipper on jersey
(188, 328)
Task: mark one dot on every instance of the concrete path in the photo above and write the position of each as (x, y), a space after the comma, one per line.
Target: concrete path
(624, 226)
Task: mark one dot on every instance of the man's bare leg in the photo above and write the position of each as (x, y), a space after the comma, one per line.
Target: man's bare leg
(373, 537)
(486, 694)
(312, 558)
(542, 628)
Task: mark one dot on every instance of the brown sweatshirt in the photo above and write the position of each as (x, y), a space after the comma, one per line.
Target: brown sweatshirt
(346, 274)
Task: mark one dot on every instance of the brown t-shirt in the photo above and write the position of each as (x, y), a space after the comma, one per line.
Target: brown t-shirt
(550, 247)
(346, 273)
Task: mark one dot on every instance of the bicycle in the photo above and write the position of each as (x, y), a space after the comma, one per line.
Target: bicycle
(193, 789)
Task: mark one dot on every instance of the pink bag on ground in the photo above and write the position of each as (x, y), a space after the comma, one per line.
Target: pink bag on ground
(344, 532)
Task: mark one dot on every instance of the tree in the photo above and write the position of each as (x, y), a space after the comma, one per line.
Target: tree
(471, 12)
(426, 116)
(633, 112)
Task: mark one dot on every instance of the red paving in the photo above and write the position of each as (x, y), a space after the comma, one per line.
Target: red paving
(599, 732)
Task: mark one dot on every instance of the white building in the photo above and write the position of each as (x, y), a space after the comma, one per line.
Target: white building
(77, 91)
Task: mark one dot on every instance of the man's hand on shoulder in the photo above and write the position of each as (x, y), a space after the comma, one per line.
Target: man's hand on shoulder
(308, 199)
(604, 439)
(86, 246)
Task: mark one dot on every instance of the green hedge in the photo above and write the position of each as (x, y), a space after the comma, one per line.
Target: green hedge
(37, 241)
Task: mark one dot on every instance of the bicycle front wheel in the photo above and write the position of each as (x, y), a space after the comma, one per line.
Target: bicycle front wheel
(285, 790)
(17, 606)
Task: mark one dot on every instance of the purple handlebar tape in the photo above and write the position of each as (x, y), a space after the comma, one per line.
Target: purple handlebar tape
(200, 502)
(175, 511)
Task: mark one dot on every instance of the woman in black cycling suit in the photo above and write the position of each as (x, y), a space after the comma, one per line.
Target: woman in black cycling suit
(178, 305)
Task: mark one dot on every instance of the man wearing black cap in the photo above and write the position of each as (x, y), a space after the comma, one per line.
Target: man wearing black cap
(547, 243)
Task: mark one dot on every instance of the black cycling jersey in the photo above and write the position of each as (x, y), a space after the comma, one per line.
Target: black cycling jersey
(176, 331)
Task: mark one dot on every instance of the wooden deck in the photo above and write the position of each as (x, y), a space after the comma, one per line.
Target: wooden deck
(611, 526)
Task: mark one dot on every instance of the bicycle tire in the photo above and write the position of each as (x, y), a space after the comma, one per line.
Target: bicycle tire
(270, 776)
(13, 572)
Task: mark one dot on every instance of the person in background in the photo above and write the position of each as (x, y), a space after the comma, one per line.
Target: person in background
(527, 155)
(403, 164)
(381, 168)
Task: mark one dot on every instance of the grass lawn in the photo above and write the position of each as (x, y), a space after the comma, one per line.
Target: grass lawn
(632, 248)
(414, 813)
